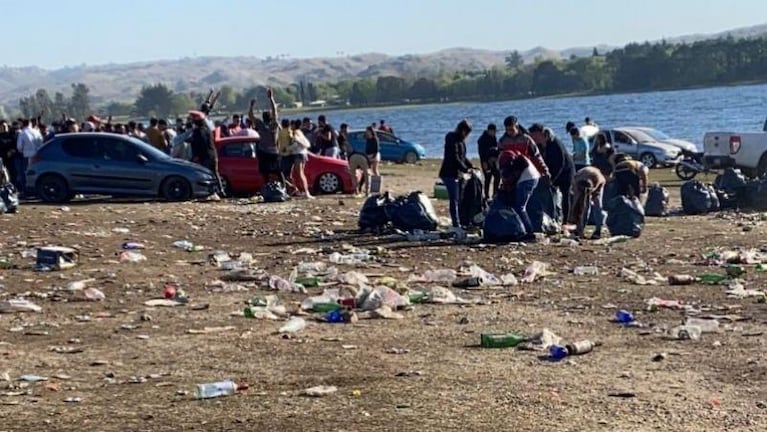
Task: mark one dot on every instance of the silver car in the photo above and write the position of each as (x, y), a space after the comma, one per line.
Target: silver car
(640, 145)
(111, 164)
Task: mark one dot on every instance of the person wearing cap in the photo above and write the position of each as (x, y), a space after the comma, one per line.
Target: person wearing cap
(559, 162)
(268, 128)
(455, 165)
(516, 140)
(487, 147)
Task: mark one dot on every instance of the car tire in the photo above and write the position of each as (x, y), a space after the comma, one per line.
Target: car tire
(53, 188)
(411, 157)
(225, 185)
(176, 188)
(648, 159)
(761, 169)
(328, 183)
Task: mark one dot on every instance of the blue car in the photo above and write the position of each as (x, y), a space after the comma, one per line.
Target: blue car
(392, 148)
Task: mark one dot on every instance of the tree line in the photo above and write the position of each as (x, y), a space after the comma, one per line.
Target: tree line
(635, 67)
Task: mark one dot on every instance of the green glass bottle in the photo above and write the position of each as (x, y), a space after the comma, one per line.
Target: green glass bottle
(501, 340)
(417, 297)
(326, 307)
(309, 281)
(735, 270)
(712, 278)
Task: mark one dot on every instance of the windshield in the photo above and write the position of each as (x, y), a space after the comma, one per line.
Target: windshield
(655, 134)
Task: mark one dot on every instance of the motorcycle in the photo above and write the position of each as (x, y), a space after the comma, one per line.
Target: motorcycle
(691, 165)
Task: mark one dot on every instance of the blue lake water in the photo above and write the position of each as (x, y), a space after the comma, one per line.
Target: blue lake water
(683, 114)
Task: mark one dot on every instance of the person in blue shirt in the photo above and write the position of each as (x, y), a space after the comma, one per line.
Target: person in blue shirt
(581, 157)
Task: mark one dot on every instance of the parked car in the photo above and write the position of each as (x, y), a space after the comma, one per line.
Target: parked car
(238, 167)
(111, 164)
(392, 148)
(744, 150)
(647, 145)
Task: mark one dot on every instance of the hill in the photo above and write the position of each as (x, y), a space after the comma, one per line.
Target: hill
(122, 82)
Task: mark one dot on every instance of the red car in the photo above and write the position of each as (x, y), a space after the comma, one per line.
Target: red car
(238, 167)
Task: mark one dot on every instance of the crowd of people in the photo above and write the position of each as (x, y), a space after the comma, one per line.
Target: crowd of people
(282, 150)
(514, 164)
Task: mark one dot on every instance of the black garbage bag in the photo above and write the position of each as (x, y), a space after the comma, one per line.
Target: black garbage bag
(274, 192)
(545, 209)
(473, 203)
(9, 198)
(753, 195)
(698, 198)
(373, 214)
(625, 216)
(730, 181)
(502, 224)
(412, 212)
(657, 201)
(610, 191)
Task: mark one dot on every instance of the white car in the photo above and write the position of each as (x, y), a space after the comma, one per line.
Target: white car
(649, 146)
(744, 150)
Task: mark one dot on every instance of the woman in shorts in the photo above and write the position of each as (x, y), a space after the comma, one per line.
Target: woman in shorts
(299, 149)
(373, 149)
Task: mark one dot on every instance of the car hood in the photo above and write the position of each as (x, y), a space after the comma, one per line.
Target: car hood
(187, 164)
(668, 148)
(330, 161)
(682, 144)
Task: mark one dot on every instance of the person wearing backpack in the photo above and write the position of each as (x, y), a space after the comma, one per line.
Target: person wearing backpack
(455, 164)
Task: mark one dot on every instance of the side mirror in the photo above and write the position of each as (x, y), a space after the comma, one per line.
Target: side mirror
(142, 159)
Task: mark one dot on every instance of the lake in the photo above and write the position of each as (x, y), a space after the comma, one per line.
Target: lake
(683, 114)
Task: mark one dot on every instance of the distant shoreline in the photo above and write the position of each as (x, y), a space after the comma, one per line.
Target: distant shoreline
(488, 100)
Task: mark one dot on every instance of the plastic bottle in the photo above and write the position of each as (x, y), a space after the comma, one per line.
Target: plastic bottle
(219, 389)
(314, 267)
(705, 325)
(440, 276)
(624, 317)
(586, 271)
(184, 244)
(280, 284)
(293, 325)
(685, 332)
(324, 307)
(558, 352)
(132, 246)
(501, 340)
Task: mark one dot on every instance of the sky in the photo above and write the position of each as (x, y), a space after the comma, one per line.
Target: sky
(94, 32)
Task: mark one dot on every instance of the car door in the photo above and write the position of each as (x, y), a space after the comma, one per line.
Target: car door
(390, 149)
(357, 141)
(122, 169)
(83, 154)
(623, 143)
(237, 163)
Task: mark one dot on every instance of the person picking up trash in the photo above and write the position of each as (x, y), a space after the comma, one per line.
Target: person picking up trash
(589, 188)
(631, 175)
(519, 177)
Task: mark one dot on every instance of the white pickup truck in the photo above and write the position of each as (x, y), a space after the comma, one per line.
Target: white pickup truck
(747, 151)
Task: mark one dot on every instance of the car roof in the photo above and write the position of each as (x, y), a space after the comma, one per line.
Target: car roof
(235, 140)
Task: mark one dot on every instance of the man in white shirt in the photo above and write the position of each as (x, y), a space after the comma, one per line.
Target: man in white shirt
(26, 144)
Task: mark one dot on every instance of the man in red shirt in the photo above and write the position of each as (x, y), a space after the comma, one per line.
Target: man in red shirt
(516, 140)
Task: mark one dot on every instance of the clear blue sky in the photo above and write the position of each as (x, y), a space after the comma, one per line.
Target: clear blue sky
(56, 33)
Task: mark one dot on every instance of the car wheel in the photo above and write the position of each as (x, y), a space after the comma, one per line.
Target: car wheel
(225, 185)
(761, 169)
(648, 159)
(328, 183)
(53, 188)
(411, 157)
(176, 188)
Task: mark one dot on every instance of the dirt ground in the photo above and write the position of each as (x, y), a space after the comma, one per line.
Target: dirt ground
(717, 383)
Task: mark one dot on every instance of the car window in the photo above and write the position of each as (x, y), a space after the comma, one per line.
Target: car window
(356, 136)
(239, 150)
(386, 138)
(621, 137)
(82, 147)
(118, 150)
